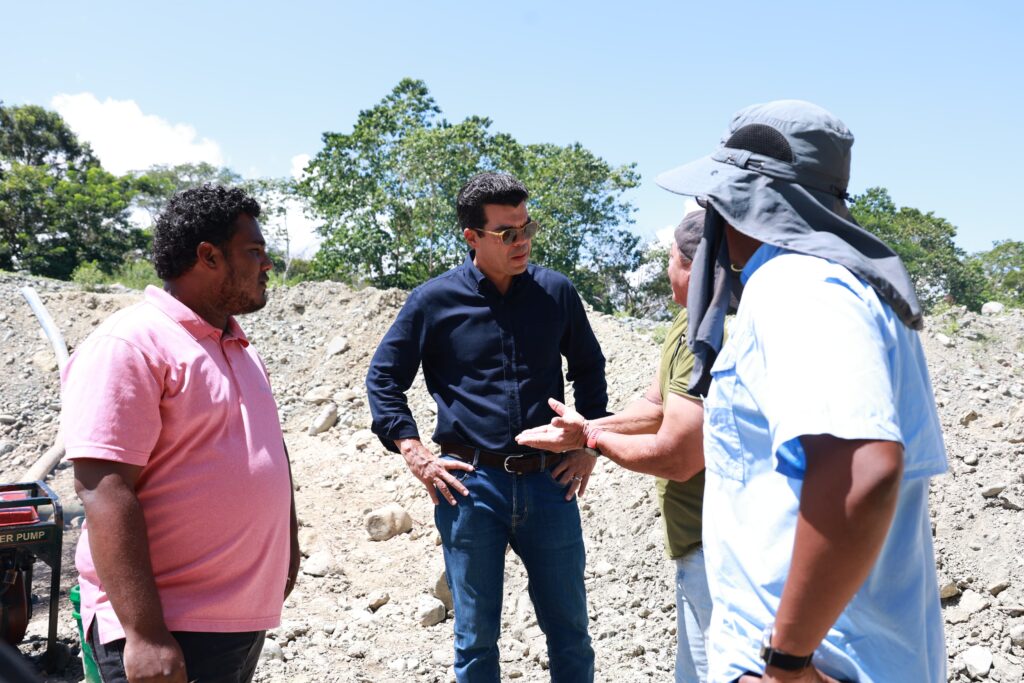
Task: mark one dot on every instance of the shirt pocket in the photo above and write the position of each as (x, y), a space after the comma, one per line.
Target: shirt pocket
(723, 449)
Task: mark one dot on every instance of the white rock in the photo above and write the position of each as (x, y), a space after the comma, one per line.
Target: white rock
(998, 585)
(45, 361)
(992, 308)
(978, 661)
(271, 650)
(968, 417)
(972, 602)
(1017, 635)
(337, 345)
(387, 522)
(325, 419)
(320, 394)
(442, 592)
(944, 340)
(318, 564)
(430, 611)
(444, 657)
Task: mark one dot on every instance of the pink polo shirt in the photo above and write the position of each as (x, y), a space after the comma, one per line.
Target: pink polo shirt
(157, 386)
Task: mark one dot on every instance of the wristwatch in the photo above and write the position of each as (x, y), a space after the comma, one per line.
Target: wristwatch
(779, 659)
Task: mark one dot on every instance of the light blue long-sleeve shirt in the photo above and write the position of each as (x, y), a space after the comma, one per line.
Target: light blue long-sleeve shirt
(813, 350)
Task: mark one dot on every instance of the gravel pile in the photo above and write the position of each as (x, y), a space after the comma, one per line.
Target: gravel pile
(376, 610)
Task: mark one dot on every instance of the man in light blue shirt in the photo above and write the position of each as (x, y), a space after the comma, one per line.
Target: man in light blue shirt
(820, 426)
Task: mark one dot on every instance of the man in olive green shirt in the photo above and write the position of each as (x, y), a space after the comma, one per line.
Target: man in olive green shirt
(661, 434)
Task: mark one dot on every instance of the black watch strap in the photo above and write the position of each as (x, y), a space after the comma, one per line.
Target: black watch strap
(779, 659)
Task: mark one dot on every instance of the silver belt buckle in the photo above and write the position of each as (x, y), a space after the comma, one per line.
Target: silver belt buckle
(512, 457)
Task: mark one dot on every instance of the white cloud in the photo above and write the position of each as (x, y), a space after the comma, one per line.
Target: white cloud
(303, 240)
(299, 163)
(667, 234)
(125, 139)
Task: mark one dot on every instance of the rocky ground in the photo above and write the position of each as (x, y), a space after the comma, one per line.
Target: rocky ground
(369, 610)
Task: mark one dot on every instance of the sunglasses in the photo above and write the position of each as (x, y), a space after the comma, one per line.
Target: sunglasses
(513, 235)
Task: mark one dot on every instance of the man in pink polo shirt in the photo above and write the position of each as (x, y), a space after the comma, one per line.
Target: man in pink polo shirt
(190, 545)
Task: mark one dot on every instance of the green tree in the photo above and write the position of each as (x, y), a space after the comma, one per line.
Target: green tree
(386, 195)
(1003, 267)
(58, 207)
(940, 270)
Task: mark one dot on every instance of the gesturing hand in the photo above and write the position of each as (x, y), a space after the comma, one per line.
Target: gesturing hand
(565, 433)
(433, 471)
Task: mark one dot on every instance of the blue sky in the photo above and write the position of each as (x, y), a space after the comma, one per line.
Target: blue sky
(933, 92)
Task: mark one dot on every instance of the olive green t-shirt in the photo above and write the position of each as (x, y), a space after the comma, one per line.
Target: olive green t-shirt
(680, 502)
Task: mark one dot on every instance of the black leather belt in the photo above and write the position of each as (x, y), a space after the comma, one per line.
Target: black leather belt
(523, 463)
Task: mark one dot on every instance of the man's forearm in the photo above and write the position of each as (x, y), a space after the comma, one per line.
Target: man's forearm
(847, 504)
(639, 417)
(120, 552)
(652, 454)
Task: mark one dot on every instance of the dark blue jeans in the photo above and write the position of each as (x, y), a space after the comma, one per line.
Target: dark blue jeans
(530, 513)
(209, 657)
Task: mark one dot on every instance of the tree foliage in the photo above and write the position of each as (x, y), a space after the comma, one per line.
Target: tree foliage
(1003, 268)
(386, 192)
(940, 270)
(58, 207)
(156, 185)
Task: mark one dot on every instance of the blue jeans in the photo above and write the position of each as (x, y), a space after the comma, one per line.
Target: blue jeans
(530, 513)
(693, 616)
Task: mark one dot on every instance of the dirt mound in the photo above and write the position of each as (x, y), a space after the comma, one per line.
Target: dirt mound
(360, 605)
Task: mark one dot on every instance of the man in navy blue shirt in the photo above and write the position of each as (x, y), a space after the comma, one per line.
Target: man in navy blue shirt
(490, 335)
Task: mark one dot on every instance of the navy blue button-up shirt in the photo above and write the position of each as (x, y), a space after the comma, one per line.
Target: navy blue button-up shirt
(490, 361)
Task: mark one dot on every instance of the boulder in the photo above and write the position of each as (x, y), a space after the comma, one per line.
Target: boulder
(387, 522)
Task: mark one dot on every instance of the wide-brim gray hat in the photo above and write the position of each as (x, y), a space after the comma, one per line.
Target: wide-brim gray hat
(780, 175)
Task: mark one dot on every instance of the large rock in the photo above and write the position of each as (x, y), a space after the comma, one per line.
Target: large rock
(978, 661)
(320, 394)
(271, 650)
(325, 419)
(430, 611)
(318, 564)
(992, 308)
(442, 592)
(973, 602)
(387, 522)
(337, 345)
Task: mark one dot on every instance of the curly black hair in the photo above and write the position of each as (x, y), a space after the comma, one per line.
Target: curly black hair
(487, 188)
(199, 214)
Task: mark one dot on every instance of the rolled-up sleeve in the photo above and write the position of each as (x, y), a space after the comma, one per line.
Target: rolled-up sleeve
(391, 373)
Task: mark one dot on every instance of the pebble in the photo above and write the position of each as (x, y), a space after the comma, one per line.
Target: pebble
(376, 600)
(993, 490)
